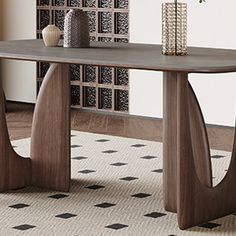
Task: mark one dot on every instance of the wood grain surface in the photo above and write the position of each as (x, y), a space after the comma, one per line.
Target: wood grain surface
(50, 139)
(187, 167)
(132, 56)
(15, 171)
(170, 141)
(199, 139)
(198, 203)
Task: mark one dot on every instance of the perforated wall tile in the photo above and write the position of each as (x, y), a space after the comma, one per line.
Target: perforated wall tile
(92, 87)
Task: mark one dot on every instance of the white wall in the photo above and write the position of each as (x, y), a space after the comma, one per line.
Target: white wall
(19, 22)
(210, 24)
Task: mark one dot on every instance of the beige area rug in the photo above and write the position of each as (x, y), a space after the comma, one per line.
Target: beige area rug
(116, 190)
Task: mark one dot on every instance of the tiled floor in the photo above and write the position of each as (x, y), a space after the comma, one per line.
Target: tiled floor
(116, 190)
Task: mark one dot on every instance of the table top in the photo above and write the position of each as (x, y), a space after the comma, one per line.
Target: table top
(132, 56)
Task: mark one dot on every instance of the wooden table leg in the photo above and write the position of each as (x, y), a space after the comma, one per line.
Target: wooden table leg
(15, 171)
(170, 127)
(174, 101)
(170, 141)
(197, 201)
(50, 143)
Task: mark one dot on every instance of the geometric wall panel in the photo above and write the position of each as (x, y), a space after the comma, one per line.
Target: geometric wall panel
(97, 88)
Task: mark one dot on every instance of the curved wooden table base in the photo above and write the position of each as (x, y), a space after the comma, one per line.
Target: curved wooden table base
(187, 167)
(49, 166)
(50, 140)
(15, 171)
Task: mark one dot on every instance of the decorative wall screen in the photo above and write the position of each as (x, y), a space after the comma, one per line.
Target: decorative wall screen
(98, 88)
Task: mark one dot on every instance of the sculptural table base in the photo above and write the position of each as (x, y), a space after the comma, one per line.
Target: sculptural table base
(187, 166)
(49, 164)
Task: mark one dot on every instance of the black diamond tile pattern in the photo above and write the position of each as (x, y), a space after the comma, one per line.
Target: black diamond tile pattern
(155, 215)
(119, 164)
(138, 145)
(105, 205)
(86, 171)
(141, 195)
(158, 170)
(128, 178)
(58, 196)
(109, 151)
(102, 140)
(116, 226)
(75, 146)
(217, 156)
(95, 187)
(209, 225)
(19, 206)
(24, 227)
(148, 157)
(65, 215)
(97, 194)
(79, 158)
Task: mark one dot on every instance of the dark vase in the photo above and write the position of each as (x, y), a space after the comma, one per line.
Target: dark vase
(76, 29)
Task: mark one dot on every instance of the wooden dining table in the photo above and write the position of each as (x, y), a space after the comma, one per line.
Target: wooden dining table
(187, 171)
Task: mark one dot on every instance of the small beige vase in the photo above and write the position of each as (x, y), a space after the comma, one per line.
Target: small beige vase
(51, 35)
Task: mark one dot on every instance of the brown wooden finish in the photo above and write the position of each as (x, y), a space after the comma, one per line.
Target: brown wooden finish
(15, 170)
(196, 202)
(126, 55)
(170, 141)
(50, 143)
(187, 167)
(199, 140)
